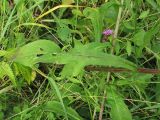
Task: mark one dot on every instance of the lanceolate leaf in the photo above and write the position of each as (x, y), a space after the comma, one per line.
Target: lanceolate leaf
(76, 59)
(91, 54)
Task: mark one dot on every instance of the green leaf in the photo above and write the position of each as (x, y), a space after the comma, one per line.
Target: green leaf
(151, 33)
(128, 25)
(54, 106)
(90, 54)
(158, 2)
(138, 51)
(138, 38)
(97, 21)
(5, 70)
(3, 52)
(56, 89)
(75, 59)
(73, 68)
(74, 80)
(144, 14)
(153, 4)
(35, 52)
(71, 89)
(26, 72)
(50, 116)
(119, 110)
(138, 81)
(77, 12)
(109, 11)
(7, 24)
(67, 2)
(64, 32)
(129, 48)
(20, 39)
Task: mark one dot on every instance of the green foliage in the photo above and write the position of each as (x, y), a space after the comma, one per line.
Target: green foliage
(35, 52)
(94, 15)
(55, 87)
(54, 106)
(144, 14)
(46, 46)
(5, 70)
(138, 38)
(27, 73)
(119, 110)
(129, 48)
(76, 59)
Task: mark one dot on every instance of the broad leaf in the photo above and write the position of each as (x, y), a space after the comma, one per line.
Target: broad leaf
(38, 51)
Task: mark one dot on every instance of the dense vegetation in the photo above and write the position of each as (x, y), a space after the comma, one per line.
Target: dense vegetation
(79, 59)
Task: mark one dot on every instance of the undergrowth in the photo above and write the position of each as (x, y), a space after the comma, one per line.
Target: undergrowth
(79, 59)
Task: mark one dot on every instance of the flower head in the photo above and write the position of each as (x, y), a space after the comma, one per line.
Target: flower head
(107, 32)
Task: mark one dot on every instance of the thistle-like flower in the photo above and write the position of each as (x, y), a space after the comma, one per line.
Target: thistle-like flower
(107, 32)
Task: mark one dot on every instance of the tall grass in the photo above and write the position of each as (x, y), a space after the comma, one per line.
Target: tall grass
(56, 63)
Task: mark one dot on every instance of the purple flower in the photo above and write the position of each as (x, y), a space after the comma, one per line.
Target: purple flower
(107, 32)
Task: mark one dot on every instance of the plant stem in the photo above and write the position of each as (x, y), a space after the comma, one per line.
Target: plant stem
(118, 70)
(117, 27)
(102, 106)
(112, 52)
